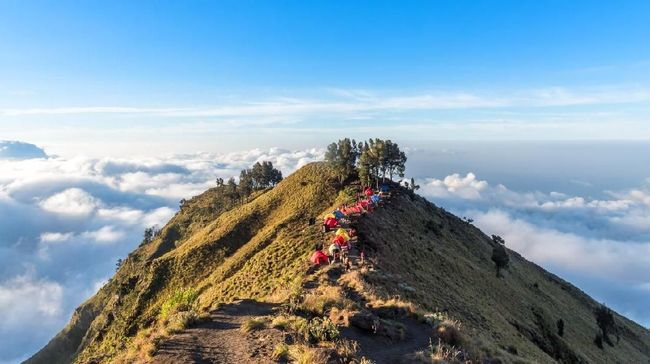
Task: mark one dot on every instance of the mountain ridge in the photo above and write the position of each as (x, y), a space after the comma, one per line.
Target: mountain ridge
(423, 255)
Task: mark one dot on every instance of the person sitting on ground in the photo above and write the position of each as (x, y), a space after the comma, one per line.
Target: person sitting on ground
(334, 252)
(318, 257)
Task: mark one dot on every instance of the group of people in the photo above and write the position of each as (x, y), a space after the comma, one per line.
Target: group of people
(341, 242)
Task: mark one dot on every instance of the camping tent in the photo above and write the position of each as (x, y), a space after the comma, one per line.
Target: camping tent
(338, 214)
(319, 258)
(343, 233)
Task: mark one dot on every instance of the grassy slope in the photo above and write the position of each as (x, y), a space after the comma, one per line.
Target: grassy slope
(245, 251)
(447, 265)
(427, 256)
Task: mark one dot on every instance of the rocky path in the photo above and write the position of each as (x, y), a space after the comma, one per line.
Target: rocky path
(220, 340)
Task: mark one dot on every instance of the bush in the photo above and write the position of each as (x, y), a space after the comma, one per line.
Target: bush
(180, 301)
(560, 327)
(500, 258)
(606, 323)
(319, 329)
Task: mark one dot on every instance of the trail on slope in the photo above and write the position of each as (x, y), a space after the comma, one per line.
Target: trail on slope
(220, 340)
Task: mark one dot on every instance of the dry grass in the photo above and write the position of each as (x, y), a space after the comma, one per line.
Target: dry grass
(280, 352)
(288, 322)
(255, 323)
(346, 349)
(323, 298)
(303, 354)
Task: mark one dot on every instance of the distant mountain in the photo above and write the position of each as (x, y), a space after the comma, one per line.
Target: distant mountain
(20, 150)
(228, 280)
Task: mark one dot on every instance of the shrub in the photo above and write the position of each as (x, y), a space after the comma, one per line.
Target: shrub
(252, 324)
(319, 329)
(182, 300)
(560, 327)
(606, 323)
(179, 321)
(500, 258)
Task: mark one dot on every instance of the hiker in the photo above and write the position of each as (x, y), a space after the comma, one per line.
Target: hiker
(318, 257)
(335, 252)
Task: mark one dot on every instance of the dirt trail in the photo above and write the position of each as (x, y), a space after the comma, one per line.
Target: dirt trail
(220, 340)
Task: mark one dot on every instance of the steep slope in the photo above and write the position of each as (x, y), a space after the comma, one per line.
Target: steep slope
(440, 262)
(422, 255)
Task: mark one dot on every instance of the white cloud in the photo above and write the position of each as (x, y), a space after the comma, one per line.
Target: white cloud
(55, 237)
(70, 219)
(24, 297)
(106, 234)
(617, 260)
(467, 187)
(72, 201)
(360, 102)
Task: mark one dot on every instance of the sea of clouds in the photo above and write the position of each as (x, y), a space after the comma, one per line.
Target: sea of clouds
(64, 222)
(601, 245)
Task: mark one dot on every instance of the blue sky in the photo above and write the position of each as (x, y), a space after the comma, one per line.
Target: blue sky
(418, 70)
(531, 117)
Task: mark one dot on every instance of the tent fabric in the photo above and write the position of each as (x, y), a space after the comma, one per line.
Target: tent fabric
(330, 215)
(338, 214)
(375, 198)
(319, 258)
(343, 233)
(385, 188)
(339, 240)
(331, 223)
(368, 192)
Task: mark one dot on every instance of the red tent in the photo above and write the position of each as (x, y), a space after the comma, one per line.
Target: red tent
(339, 240)
(319, 258)
(331, 222)
(368, 192)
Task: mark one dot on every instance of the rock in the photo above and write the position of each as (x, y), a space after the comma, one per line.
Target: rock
(364, 320)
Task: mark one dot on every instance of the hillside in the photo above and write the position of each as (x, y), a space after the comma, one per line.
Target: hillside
(423, 262)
